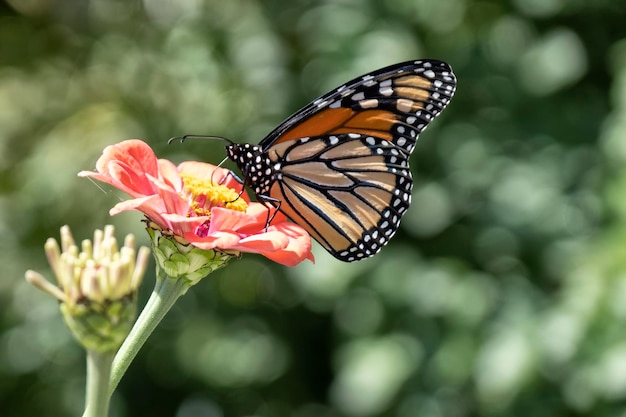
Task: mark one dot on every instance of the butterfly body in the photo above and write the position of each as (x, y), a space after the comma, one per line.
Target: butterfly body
(258, 170)
(339, 167)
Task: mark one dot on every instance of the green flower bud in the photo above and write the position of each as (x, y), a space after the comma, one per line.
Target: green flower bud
(97, 286)
(178, 259)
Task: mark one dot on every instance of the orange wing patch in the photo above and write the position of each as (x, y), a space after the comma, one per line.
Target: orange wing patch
(376, 123)
(334, 121)
(331, 235)
(414, 81)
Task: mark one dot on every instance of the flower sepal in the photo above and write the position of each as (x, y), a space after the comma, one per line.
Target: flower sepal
(101, 325)
(179, 259)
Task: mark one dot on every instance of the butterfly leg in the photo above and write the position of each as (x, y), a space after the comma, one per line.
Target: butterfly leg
(236, 178)
(232, 175)
(274, 202)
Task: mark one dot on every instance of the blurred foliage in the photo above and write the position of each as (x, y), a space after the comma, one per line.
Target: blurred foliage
(503, 294)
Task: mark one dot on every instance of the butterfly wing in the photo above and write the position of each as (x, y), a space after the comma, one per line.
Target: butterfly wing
(348, 191)
(341, 162)
(394, 103)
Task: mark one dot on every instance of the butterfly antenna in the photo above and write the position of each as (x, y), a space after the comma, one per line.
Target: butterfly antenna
(204, 137)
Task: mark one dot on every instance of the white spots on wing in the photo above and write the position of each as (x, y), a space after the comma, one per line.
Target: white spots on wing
(369, 104)
(347, 92)
(358, 96)
(404, 105)
(320, 103)
(385, 88)
(385, 91)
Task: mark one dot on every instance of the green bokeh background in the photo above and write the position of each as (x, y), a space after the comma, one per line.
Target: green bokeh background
(503, 293)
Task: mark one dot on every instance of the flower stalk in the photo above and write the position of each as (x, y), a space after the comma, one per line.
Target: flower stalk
(163, 297)
(98, 375)
(97, 291)
(180, 265)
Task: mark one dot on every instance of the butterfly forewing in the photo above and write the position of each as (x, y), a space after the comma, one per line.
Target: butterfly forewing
(339, 166)
(394, 103)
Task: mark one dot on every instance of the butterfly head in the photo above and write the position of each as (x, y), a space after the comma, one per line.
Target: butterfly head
(258, 170)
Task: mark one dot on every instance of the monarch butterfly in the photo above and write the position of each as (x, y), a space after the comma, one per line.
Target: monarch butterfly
(339, 167)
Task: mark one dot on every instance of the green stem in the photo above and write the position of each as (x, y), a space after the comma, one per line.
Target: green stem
(98, 373)
(166, 291)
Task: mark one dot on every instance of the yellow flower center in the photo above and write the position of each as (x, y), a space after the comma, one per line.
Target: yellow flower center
(205, 194)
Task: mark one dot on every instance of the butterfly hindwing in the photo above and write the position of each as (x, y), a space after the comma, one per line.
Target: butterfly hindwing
(348, 191)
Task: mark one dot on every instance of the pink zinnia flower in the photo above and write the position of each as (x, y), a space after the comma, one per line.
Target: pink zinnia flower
(199, 202)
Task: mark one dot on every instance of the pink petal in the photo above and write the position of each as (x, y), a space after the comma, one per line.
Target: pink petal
(264, 242)
(168, 174)
(220, 240)
(299, 247)
(172, 201)
(289, 257)
(134, 153)
(183, 225)
(226, 219)
(151, 206)
(125, 166)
